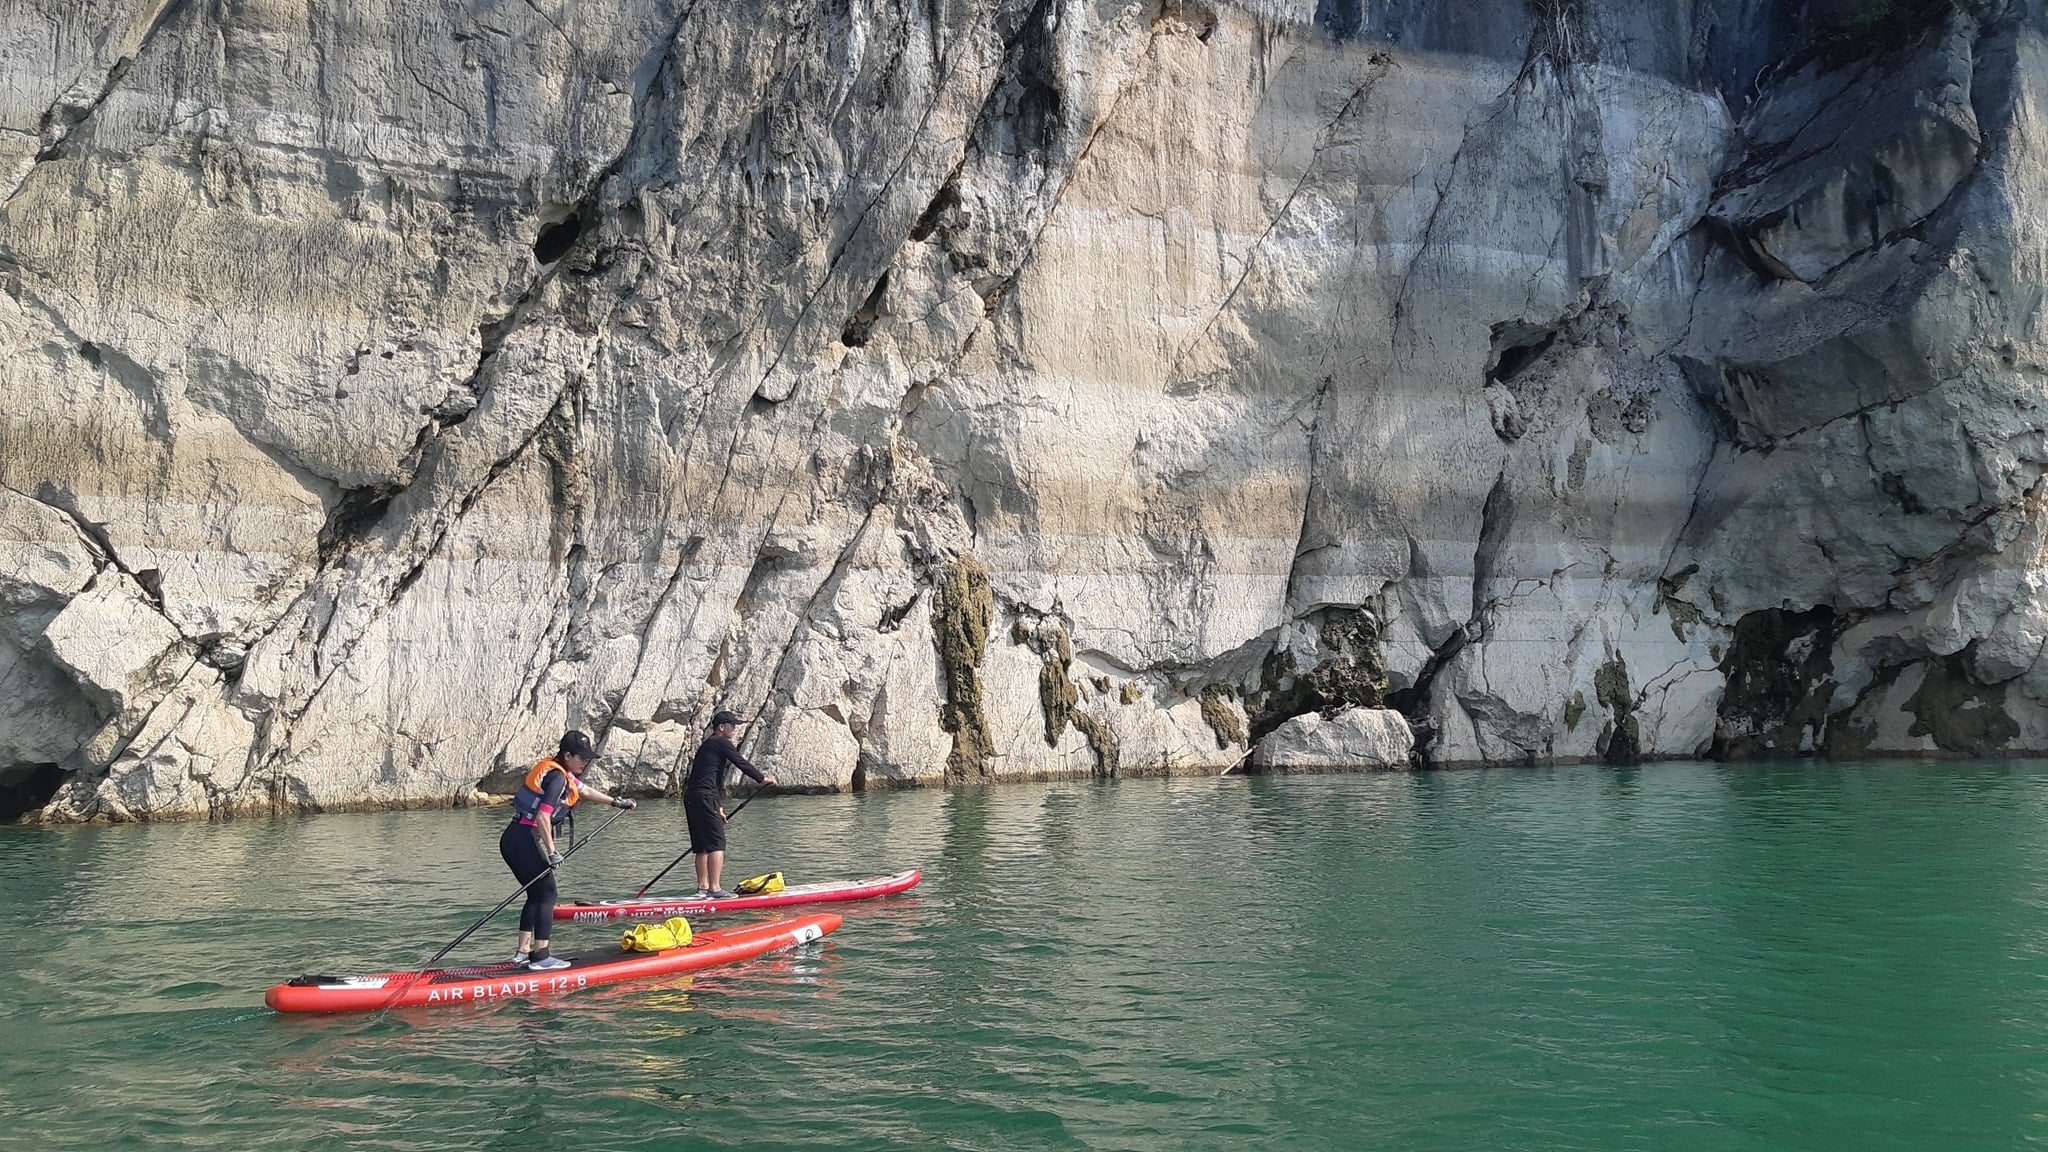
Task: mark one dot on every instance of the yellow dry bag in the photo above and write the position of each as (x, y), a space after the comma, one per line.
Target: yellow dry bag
(671, 933)
(760, 885)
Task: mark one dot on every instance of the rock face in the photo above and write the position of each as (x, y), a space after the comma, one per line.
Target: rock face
(1356, 739)
(1007, 388)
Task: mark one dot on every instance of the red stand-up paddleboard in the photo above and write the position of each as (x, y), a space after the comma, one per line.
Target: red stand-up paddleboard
(824, 893)
(439, 986)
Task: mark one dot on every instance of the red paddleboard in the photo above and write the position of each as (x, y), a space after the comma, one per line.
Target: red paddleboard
(822, 893)
(492, 982)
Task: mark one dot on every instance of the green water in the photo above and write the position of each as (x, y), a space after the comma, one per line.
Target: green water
(1674, 957)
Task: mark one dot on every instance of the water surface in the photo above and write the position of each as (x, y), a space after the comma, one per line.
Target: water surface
(1673, 957)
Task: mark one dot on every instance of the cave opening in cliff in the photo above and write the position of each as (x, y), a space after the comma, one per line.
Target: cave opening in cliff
(947, 200)
(27, 787)
(556, 239)
(861, 325)
(1517, 345)
(351, 517)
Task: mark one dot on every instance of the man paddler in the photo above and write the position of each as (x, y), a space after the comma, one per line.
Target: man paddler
(540, 810)
(704, 800)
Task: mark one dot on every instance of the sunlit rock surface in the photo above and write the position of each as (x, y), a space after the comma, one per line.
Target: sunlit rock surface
(1355, 739)
(1005, 389)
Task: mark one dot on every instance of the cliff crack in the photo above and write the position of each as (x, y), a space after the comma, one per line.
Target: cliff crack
(94, 536)
(1858, 414)
(819, 597)
(1308, 496)
(1443, 194)
(716, 505)
(72, 108)
(911, 149)
(388, 597)
(1324, 141)
(1030, 248)
(550, 20)
(684, 557)
(1073, 169)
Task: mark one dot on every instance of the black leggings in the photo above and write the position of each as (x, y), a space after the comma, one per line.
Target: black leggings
(520, 846)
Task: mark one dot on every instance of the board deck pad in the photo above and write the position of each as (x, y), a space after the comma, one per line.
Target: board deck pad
(490, 982)
(825, 892)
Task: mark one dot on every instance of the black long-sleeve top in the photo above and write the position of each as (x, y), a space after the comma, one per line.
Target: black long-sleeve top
(707, 767)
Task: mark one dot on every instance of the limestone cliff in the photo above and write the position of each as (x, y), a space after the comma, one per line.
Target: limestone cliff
(1007, 388)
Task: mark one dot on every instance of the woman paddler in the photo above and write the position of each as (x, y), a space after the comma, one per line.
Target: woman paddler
(704, 799)
(540, 809)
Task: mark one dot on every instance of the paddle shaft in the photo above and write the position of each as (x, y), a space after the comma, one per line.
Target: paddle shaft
(502, 905)
(692, 849)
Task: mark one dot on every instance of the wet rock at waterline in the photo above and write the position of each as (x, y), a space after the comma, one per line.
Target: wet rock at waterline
(1005, 389)
(1358, 739)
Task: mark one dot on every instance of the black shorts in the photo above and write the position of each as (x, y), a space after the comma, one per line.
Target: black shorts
(707, 827)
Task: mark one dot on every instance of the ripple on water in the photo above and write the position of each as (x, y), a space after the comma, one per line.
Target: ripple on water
(1671, 957)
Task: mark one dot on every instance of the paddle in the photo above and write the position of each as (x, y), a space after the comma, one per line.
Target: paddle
(692, 849)
(502, 905)
(1235, 763)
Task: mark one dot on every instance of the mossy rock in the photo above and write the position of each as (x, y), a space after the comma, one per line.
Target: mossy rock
(1349, 672)
(1610, 685)
(1779, 681)
(1574, 710)
(1101, 740)
(1221, 717)
(963, 608)
(1684, 615)
(556, 442)
(1620, 738)
(1963, 717)
(1057, 697)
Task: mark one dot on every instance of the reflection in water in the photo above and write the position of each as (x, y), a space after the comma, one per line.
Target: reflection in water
(670, 995)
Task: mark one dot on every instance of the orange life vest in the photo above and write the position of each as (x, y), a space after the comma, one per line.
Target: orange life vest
(527, 801)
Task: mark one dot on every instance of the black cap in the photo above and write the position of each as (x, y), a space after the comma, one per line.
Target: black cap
(724, 717)
(575, 743)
